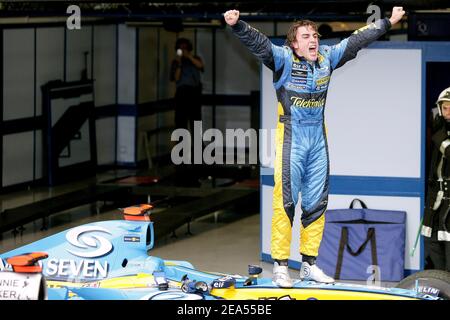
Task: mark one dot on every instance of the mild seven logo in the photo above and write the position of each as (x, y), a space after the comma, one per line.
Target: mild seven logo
(83, 238)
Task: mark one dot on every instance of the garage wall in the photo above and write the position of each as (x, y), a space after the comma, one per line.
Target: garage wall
(105, 93)
(130, 66)
(78, 44)
(18, 71)
(33, 56)
(18, 102)
(105, 64)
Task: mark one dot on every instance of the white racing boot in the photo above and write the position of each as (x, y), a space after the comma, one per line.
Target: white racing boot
(314, 273)
(281, 276)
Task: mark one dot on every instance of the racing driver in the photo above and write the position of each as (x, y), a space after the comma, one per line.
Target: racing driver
(301, 74)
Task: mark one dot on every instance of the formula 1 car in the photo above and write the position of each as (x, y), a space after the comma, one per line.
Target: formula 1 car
(109, 260)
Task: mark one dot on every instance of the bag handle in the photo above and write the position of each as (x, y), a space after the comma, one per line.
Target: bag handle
(363, 205)
(370, 237)
(344, 244)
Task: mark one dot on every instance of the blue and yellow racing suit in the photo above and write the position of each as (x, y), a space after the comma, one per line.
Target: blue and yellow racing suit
(302, 163)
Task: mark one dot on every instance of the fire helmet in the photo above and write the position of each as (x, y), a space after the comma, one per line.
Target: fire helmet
(444, 96)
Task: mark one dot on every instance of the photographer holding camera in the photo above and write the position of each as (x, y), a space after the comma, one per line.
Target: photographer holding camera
(185, 71)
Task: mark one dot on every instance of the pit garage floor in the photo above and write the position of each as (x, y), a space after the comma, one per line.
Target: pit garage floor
(223, 241)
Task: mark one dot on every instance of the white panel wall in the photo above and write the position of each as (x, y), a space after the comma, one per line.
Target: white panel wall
(17, 158)
(105, 65)
(127, 65)
(377, 97)
(166, 55)
(148, 63)
(77, 43)
(126, 126)
(40, 164)
(49, 59)
(18, 102)
(266, 218)
(105, 76)
(18, 71)
(166, 88)
(205, 51)
(49, 67)
(106, 134)
(145, 124)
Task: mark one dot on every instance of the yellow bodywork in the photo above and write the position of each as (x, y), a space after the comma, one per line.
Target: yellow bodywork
(146, 281)
(140, 280)
(299, 294)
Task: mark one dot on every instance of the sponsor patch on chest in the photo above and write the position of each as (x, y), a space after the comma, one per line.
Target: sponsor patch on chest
(299, 66)
(293, 86)
(298, 74)
(322, 81)
(307, 103)
(323, 72)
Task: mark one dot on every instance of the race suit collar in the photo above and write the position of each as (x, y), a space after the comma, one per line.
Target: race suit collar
(303, 58)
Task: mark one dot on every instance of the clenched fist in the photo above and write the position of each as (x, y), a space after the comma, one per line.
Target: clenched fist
(397, 14)
(231, 17)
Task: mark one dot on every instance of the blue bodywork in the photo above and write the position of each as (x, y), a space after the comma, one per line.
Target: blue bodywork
(84, 258)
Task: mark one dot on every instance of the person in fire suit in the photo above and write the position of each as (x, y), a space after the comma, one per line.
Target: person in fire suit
(301, 74)
(436, 222)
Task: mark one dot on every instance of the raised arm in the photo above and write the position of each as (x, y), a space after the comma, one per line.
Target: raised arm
(255, 41)
(347, 49)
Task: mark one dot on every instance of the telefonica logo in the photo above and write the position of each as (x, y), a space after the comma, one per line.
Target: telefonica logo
(79, 237)
(307, 103)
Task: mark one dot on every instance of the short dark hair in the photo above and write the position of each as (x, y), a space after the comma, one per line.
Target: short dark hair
(185, 41)
(292, 32)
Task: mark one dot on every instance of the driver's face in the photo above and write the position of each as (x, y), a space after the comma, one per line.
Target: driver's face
(306, 43)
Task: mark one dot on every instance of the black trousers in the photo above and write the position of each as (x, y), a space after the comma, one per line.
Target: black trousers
(188, 108)
(438, 252)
